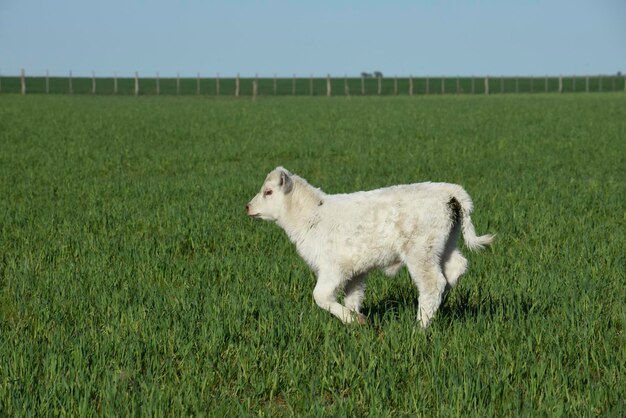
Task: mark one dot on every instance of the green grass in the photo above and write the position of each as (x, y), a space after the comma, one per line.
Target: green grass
(132, 283)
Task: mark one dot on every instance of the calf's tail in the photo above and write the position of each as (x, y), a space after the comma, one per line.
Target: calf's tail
(464, 207)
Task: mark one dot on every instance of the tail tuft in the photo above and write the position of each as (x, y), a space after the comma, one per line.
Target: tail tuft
(478, 243)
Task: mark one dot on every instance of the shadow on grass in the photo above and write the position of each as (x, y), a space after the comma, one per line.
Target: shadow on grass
(389, 308)
(458, 307)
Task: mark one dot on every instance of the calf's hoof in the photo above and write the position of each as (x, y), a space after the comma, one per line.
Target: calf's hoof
(360, 319)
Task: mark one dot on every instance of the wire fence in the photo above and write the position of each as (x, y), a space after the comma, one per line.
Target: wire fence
(307, 86)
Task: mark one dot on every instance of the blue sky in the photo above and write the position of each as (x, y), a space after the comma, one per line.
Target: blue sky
(396, 37)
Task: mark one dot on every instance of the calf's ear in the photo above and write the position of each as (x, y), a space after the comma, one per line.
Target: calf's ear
(285, 182)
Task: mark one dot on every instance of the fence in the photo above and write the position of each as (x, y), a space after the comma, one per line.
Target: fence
(309, 86)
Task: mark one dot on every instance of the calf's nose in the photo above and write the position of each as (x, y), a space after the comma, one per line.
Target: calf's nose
(248, 208)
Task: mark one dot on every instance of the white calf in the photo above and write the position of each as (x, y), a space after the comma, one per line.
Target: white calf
(343, 236)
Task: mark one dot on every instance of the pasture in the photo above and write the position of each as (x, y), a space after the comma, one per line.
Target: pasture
(132, 283)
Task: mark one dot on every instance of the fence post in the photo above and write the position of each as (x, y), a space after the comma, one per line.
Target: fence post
(158, 85)
(47, 82)
(71, 87)
(93, 82)
(328, 92)
(217, 85)
(487, 85)
(411, 85)
(23, 82)
(237, 86)
(136, 83)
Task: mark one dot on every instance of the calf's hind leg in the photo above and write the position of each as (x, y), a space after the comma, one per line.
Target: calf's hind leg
(424, 266)
(453, 267)
(453, 262)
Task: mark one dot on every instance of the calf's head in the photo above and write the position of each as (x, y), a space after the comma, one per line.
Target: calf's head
(269, 203)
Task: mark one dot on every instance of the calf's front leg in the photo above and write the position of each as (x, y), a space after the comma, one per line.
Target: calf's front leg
(355, 292)
(325, 295)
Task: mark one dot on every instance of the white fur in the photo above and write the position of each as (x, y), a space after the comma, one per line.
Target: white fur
(343, 236)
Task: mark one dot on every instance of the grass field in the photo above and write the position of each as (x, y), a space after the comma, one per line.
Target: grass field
(132, 283)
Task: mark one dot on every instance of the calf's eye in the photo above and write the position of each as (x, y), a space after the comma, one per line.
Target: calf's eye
(267, 192)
